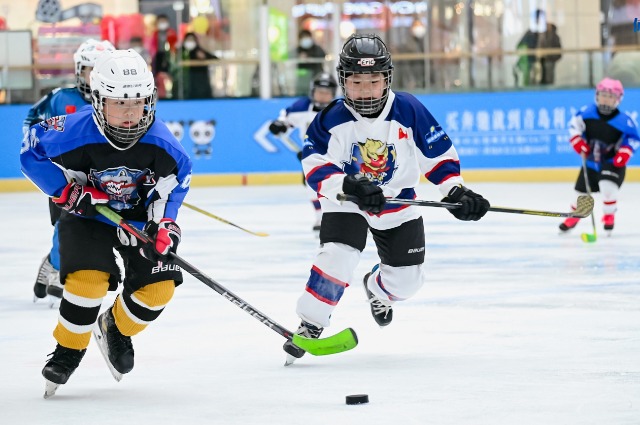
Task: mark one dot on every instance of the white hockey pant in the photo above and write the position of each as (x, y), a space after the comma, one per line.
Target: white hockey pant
(333, 269)
(609, 191)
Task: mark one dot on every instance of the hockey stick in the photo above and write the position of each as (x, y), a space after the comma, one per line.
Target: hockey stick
(208, 214)
(584, 206)
(587, 237)
(343, 341)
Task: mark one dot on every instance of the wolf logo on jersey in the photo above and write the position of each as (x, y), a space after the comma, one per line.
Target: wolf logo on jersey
(121, 185)
(373, 158)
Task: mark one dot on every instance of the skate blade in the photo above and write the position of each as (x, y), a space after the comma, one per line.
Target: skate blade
(101, 341)
(50, 389)
(289, 360)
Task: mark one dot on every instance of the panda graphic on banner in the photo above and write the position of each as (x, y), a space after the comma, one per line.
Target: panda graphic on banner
(373, 158)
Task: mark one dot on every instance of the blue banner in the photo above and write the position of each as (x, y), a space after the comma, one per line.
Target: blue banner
(490, 131)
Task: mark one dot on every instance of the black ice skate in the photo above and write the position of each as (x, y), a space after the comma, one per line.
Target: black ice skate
(308, 331)
(62, 363)
(40, 287)
(116, 348)
(380, 310)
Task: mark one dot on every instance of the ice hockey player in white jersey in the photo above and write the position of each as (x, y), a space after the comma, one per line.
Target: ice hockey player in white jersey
(373, 144)
(300, 114)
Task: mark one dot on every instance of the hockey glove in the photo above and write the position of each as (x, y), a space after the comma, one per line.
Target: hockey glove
(278, 127)
(370, 197)
(166, 237)
(622, 157)
(80, 200)
(474, 206)
(580, 145)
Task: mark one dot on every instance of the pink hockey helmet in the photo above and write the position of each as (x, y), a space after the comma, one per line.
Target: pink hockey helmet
(609, 93)
(611, 85)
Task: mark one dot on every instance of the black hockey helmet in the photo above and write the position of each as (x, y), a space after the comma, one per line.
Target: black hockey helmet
(365, 54)
(326, 81)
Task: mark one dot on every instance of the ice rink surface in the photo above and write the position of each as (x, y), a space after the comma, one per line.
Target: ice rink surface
(515, 324)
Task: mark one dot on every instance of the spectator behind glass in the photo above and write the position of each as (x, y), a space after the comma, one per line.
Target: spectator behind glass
(549, 40)
(137, 44)
(164, 41)
(307, 49)
(195, 81)
(527, 70)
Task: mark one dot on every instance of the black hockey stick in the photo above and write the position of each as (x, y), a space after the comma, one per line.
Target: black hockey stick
(343, 341)
(584, 206)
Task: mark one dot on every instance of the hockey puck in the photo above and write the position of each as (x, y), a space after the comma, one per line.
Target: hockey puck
(357, 399)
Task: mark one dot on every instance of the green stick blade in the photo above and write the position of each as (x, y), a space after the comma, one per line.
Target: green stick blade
(338, 343)
(589, 238)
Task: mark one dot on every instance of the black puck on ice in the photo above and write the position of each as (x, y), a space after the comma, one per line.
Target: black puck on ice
(358, 399)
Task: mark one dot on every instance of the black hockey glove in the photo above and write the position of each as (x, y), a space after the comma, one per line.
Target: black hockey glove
(277, 127)
(474, 206)
(370, 197)
(166, 237)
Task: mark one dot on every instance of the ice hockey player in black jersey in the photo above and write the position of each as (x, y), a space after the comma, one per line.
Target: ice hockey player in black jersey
(371, 145)
(113, 152)
(607, 138)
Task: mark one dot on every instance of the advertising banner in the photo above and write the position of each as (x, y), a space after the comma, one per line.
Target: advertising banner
(513, 130)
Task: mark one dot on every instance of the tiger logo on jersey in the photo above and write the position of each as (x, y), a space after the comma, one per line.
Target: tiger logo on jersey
(373, 158)
(122, 185)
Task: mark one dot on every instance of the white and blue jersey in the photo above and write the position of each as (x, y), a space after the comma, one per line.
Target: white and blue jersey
(393, 150)
(605, 134)
(145, 182)
(61, 101)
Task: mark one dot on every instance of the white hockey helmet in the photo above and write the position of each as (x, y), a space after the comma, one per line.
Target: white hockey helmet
(123, 75)
(86, 56)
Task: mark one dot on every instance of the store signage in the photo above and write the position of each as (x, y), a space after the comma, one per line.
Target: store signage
(365, 8)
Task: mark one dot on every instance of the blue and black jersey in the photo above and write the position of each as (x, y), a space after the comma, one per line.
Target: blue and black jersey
(145, 182)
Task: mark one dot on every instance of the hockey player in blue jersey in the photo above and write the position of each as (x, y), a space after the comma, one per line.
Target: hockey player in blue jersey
(607, 137)
(300, 114)
(115, 153)
(62, 101)
(373, 144)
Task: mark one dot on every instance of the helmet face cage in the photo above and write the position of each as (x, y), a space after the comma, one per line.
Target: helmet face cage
(365, 54)
(609, 93)
(123, 138)
(85, 57)
(123, 97)
(322, 81)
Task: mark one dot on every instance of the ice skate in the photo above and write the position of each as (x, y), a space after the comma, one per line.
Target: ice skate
(609, 221)
(308, 331)
(568, 224)
(40, 287)
(380, 309)
(116, 348)
(62, 363)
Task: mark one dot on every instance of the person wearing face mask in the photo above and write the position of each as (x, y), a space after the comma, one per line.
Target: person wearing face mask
(136, 44)
(164, 45)
(307, 49)
(527, 70)
(195, 83)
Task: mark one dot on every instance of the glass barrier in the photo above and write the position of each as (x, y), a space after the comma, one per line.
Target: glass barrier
(413, 72)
